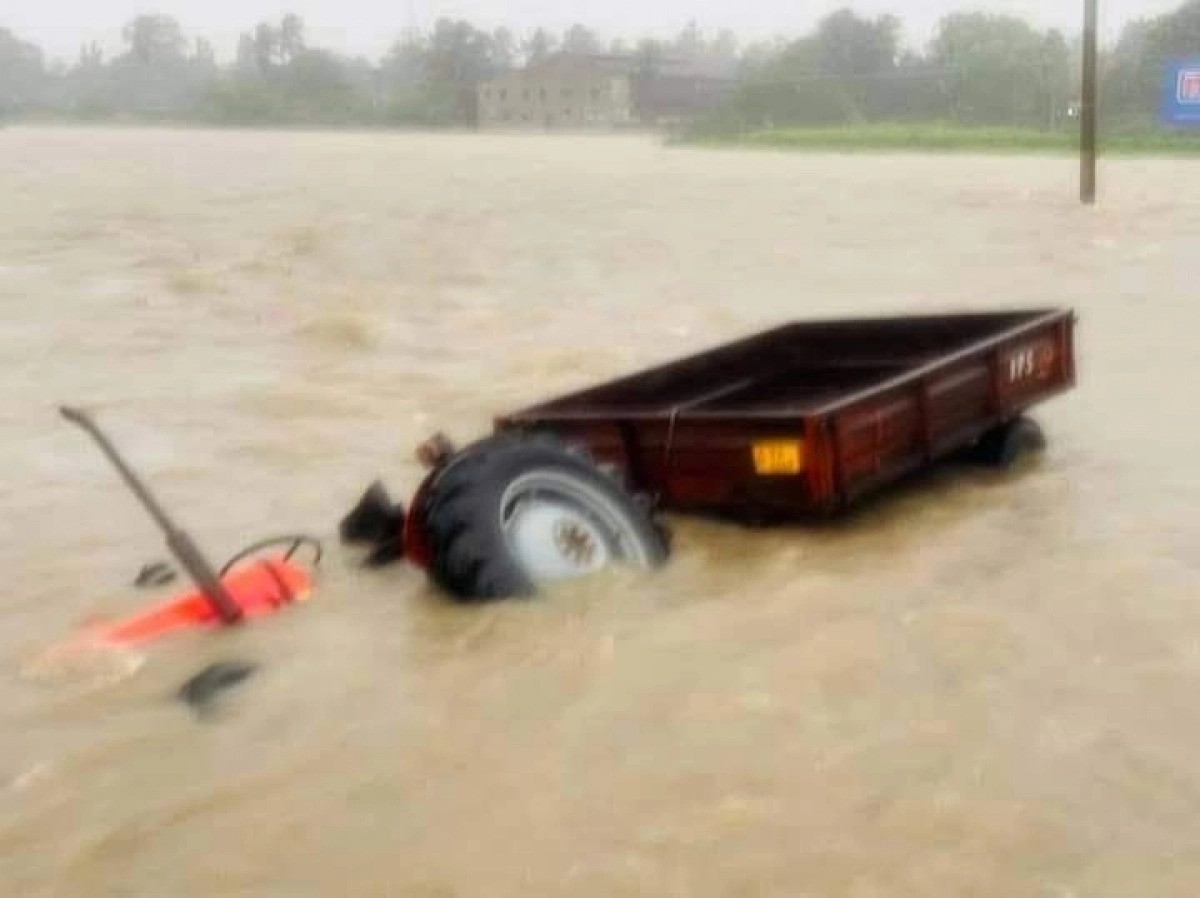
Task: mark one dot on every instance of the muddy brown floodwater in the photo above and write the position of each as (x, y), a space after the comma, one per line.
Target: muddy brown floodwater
(980, 685)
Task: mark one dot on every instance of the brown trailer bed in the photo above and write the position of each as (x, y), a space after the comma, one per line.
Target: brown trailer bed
(809, 417)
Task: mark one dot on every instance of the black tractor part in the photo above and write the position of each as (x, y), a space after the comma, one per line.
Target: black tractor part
(377, 523)
(1003, 446)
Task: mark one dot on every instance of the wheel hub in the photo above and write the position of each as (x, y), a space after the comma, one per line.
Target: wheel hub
(555, 541)
(558, 527)
(575, 542)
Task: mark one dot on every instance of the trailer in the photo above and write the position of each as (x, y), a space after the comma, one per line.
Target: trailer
(801, 421)
(807, 418)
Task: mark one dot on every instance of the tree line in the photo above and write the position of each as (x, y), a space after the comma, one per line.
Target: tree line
(979, 69)
(427, 78)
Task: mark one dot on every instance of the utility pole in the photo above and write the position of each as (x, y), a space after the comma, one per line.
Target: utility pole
(1087, 116)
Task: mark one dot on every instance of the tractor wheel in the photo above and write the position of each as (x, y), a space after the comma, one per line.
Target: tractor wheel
(513, 512)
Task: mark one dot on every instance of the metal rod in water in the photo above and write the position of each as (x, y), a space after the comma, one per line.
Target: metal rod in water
(179, 543)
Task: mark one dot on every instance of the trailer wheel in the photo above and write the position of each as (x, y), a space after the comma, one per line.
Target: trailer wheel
(1002, 446)
(513, 512)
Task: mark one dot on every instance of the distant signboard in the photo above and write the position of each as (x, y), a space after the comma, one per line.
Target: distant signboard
(1181, 93)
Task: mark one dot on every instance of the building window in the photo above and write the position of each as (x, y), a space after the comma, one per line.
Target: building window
(527, 93)
(566, 92)
(567, 112)
(595, 93)
(542, 93)
(503, 94)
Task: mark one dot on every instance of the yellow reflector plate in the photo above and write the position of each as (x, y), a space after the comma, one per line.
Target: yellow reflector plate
(779, 458)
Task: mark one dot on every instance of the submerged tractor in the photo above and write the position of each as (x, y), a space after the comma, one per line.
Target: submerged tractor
(798, 422)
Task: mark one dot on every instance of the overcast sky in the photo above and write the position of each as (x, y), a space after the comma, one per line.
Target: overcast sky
(369, 26)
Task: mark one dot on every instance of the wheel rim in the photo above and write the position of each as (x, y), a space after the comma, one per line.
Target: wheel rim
(560, 528)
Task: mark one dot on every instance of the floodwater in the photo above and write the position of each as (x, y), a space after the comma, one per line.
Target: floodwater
(980, 685)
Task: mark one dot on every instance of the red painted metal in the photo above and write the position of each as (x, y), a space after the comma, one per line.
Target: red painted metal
(871, 400)
(259, 589)
(417, 548)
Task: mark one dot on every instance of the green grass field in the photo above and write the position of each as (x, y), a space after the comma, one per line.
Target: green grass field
(942, 138)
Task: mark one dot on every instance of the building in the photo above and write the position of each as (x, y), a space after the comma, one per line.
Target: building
(600, 92)
(568, 92)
